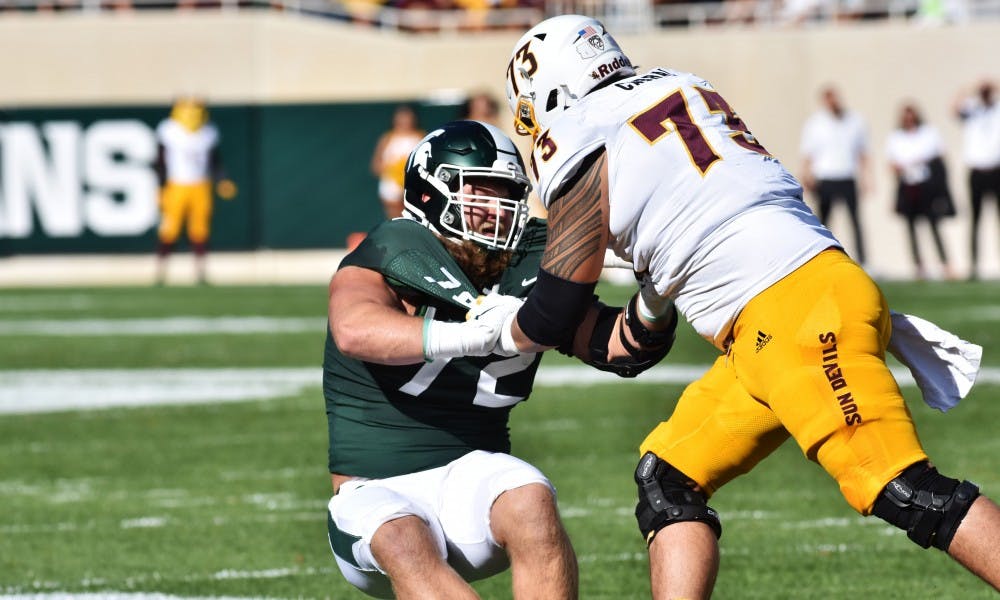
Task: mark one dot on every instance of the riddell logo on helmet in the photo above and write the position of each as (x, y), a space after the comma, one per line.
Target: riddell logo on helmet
(608, 68)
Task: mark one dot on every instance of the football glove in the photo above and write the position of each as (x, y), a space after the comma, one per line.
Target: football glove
(499, 311)
(444, 339)
(226, 189)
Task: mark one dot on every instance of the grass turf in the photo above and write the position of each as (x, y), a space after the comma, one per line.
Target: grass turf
(229, 499)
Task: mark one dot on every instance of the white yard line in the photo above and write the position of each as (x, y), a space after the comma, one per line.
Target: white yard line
(52, 390)
(195, 325)
(12, 593)
(33, 391)
(168, 326)
(112, 595)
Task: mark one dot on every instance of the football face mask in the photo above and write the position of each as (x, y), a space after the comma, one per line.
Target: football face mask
(486, 207)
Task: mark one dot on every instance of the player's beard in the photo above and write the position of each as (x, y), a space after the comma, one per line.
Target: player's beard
(483, 267)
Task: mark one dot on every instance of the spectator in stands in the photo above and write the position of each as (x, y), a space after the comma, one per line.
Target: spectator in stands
(481, 106)
(740, 12)
(914, 151)
(835, 155)
(364, 12)
(796, 12)
(188, 162)
(422, 16)
(480, 14)
(980, 115)
(389, 159)
(936, 12)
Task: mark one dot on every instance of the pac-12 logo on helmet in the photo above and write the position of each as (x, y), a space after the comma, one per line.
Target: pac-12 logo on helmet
(446, 175)
(556, 63)
(594, 43)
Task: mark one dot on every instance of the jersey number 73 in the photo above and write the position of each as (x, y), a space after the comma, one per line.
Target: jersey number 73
(673, 109)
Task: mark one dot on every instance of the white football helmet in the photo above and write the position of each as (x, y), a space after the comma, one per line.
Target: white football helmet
(555, 64)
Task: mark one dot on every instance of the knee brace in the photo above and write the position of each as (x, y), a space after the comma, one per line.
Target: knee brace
(926, 504)
(666, 496)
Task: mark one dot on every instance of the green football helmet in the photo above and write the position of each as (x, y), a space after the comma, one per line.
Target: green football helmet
(445, 175)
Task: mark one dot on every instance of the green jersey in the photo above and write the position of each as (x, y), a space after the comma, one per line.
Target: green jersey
(388, 420)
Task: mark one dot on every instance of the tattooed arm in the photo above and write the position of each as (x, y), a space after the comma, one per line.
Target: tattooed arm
(561, 310)
(578, 224)
(571, 265)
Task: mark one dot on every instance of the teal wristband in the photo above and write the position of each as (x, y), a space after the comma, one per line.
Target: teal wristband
(645, 312)
(427, 324)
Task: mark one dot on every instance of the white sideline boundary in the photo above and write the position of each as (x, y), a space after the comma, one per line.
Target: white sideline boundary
(55, 390)
(260, 267)
(257, 267)
(116, 595)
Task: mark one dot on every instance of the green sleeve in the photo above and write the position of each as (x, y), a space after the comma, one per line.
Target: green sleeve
(411, 257)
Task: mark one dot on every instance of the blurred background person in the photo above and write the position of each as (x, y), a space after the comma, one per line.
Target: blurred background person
(980, 116)
(481, 106)
(834, 147)
(188, 162)
(389, 159)
(914, 151)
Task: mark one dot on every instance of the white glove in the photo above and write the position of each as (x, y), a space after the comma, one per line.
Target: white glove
(499, 311)
(443, 339)
(652, 306)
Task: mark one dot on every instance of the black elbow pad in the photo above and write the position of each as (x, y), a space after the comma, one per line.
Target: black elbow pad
(638, 359)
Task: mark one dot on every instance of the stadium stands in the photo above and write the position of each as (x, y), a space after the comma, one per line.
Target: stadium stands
(625, 16)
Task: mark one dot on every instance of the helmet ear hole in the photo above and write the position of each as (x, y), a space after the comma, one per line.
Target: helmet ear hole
(552, 101)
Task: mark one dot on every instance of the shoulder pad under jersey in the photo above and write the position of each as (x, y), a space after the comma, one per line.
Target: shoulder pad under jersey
(409, 255)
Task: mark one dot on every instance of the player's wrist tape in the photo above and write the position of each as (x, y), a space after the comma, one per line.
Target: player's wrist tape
(443, 339)
(428, 323)
(554, 309)
(506, 344)
(655, 315)
(646, 337)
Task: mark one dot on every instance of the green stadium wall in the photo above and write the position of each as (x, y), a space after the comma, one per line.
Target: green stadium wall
(77, 180)
(267, 62)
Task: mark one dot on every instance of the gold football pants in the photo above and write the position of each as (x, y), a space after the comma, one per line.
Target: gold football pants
(807, 359)
(190, 203)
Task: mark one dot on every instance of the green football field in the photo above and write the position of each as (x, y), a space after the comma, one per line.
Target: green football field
(171, 442)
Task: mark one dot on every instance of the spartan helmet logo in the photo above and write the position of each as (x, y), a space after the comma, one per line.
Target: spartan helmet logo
(422, 154)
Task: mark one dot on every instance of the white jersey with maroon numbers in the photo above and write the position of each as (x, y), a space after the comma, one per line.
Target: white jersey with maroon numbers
(695, 199)
(187, 153)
